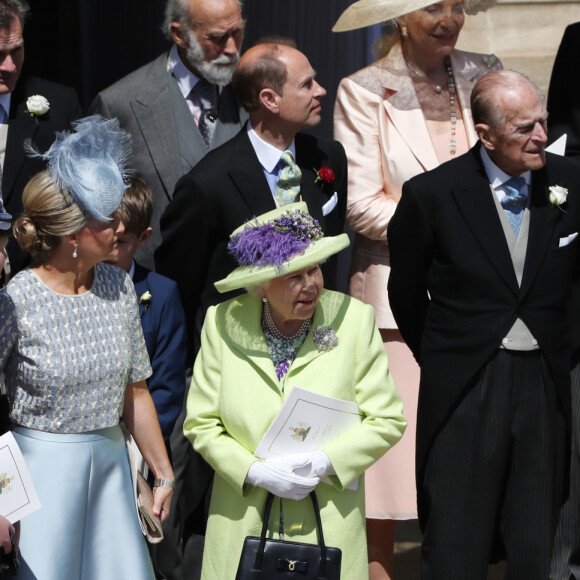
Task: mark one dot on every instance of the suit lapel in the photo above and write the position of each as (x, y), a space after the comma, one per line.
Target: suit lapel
(21, 126)
(248, 177)
(309, 162)
(141, 286)
(244, 333)
(543, 219)
(157, 123)
(231, 117)
(473, 197)
(404, 110)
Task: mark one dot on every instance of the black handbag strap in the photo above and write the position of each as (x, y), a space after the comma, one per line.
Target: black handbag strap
(269, 501)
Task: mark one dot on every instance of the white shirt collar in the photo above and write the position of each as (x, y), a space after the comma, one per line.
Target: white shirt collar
(268, 155)
(5, 100)
(186, 80)
(497, 177)
(132, 270)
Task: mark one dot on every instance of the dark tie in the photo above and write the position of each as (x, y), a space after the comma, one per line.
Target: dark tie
(288, 186)
(514, 202)
(207, 95)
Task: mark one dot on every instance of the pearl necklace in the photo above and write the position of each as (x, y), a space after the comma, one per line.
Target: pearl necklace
(273, 329)
(436, 88)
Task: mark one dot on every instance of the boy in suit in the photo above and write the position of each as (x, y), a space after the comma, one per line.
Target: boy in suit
(160, 309)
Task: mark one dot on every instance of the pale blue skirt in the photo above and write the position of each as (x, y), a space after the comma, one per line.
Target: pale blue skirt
(87, 527)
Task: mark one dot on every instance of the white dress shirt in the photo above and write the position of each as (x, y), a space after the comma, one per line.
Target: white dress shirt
(269, 157)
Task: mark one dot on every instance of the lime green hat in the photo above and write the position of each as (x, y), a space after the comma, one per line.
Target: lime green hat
(276, 243)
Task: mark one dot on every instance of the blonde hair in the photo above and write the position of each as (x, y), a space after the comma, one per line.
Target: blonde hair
(49, 213)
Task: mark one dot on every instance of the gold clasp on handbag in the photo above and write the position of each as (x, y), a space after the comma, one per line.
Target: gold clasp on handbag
(292, 565)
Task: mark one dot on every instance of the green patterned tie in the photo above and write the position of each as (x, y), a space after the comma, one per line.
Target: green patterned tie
(288, 186)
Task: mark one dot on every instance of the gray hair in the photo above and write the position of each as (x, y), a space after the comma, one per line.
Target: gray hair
(485, 106)
(11, 8)
(178, 11)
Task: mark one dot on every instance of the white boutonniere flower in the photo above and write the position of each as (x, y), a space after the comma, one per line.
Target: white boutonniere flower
(324, 338)
(558, 196)
(36, 106)
(145, 299)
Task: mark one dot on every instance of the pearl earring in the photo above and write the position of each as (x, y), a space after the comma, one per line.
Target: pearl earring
(264, 300)
(75, 254)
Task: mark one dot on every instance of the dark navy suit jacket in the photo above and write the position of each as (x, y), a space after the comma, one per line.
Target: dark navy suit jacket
(163, 322)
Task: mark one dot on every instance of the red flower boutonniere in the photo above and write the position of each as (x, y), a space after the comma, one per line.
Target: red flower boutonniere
(324, 175)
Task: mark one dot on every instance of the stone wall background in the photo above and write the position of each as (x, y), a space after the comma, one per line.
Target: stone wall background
(525, 35)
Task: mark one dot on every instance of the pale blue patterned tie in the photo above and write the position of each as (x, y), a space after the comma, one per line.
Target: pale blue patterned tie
(288, 186)
(514, 203)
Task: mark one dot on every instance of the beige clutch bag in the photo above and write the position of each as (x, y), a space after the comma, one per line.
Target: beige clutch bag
(149, 522)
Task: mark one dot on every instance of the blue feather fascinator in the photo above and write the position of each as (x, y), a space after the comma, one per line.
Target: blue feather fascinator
(90, 163)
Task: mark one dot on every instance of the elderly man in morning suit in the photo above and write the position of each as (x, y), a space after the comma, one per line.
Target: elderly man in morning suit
(17, 124)
(483, 254)
(180, 105)
(276, 84)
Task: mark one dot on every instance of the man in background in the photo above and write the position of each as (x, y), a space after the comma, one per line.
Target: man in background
(30, 108)
(181, 105)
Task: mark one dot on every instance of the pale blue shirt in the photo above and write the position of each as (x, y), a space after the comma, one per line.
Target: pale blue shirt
(498, 177)
(269, 157)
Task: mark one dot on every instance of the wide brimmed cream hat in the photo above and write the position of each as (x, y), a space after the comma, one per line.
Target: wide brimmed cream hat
(276, 243)
(368, 12)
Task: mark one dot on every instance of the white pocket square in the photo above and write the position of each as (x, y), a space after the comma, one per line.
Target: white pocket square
(330, 204)
(567, 240)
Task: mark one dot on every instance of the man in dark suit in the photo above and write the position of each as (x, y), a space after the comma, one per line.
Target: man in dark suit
(275, 83)
(22, 119)
(564, 92)
(482, 254)
(564, 110)
(167, 104)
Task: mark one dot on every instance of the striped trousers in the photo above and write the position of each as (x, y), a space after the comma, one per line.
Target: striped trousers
(493, 477)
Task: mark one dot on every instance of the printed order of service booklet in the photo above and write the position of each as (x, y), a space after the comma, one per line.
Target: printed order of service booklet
(18, 497)
(305, 423)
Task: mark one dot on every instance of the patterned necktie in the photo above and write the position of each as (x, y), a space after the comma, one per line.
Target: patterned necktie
(207, 95)
(288, 186)
(514, 202)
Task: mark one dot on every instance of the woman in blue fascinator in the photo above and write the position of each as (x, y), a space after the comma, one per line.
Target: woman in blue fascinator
(75, 362)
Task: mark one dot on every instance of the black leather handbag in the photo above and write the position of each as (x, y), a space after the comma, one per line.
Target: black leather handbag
(269, 559)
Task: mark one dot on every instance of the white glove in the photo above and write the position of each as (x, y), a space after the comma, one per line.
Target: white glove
(290, 462)
(317, 464)
(280, 482)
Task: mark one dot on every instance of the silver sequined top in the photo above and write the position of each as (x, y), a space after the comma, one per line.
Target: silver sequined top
(68, 358)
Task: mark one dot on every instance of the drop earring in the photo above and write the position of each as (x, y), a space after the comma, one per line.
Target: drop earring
(404, 32)
(75, 254)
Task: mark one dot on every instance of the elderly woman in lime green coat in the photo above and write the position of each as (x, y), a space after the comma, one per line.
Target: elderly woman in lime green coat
(237, 391)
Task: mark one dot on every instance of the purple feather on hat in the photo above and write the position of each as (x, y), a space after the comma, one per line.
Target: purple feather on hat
(276, 242)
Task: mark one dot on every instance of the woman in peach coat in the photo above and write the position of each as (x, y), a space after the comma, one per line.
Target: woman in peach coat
(406, 113)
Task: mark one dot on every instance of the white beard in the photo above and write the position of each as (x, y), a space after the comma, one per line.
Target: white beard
(214, 71)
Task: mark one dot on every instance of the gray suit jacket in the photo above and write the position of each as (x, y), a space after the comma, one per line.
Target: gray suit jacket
(166, 141)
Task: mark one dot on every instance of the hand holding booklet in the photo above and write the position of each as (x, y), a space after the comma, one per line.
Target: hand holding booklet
(18, 497)
(305, 423)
